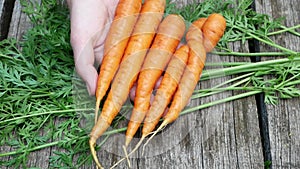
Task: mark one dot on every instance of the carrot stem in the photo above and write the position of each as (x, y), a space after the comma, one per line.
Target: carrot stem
(43, 113)
(206, 105)
(267, 42)
(250, 67)
(232, 53)
(286, 29)
(235, 79)
(218, 90)
(226, 64)
(39, 147)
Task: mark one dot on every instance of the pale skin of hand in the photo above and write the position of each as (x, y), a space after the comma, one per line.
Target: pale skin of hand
(90, 20)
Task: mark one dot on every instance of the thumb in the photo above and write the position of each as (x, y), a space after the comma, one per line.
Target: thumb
(84, 65)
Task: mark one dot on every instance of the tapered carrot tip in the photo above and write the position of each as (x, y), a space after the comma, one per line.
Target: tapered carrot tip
(92, 143)
(132, 128)
(127, 140)
(148, 128)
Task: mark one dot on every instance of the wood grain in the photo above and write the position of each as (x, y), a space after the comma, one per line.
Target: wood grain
(284, 118)
(247, 131)
(20, 22)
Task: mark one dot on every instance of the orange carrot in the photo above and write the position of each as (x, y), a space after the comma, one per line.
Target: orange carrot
(166, 89)
(213, 29)
(191, 75)
(199, 44)
(188, 80)
(140, 41)
(164, 93)
(200, 22)
(116, 41)
(168, 36)
(168, 86)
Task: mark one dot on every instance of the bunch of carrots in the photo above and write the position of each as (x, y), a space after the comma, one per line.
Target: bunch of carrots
(141, 46)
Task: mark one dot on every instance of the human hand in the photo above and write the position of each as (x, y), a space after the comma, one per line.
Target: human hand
(90, 21)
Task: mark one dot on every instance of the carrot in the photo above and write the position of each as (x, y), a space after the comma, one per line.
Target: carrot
(166, 89)
(140, 41)
(190, 77)
(164, 94)
(196, 57)
(200, 22)
(213, 29)
(126, 15)
(168, 36)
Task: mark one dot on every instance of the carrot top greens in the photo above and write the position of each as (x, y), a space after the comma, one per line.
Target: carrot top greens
(44, 103)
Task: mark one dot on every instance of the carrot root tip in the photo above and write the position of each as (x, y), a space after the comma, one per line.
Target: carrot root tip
(127, 141)
(161, 127)
(126, 156)
(92, 144)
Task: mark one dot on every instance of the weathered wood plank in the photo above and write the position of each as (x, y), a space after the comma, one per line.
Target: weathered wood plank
(284, 117)
(5, 148)
(20, 22)
(2, 13)
(247, 132)
(173, 147)
(216, 132)
(112, 150)
(6, 8)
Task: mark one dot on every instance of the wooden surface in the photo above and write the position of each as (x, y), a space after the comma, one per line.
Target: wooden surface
(284, 127)
(223, 136)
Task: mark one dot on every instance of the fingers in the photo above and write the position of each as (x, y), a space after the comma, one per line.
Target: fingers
(132, 92)
(84, 64)
(99, 42)
(100, 36)
(89, 76)
(88, 31)
(158, 83)
(111, 6)
(98, 52)
(90, 22)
